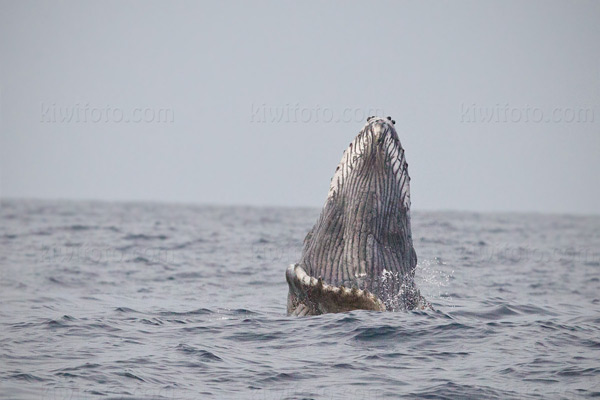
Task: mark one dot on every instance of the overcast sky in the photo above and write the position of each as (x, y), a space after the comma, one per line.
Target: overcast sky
(496, 103)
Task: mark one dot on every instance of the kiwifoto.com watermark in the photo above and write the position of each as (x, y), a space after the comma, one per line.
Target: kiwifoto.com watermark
(297, 113)
(85, 114)
(508, 113)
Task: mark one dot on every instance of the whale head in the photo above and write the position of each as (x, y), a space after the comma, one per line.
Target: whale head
(362, 240)
(373, 161)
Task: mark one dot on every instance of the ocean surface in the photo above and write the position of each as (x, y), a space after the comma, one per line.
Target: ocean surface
(106, 300)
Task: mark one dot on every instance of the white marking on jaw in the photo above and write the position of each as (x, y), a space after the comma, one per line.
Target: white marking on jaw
(379, 130)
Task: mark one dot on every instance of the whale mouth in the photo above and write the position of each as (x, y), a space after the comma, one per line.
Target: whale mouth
(311, 296)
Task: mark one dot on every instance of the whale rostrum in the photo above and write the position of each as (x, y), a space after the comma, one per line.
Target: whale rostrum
(359, 254)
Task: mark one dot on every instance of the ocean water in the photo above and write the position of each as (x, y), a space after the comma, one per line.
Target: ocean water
(152, 301)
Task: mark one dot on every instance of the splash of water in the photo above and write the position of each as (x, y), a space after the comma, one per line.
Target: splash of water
(433, 280)
(407, 297)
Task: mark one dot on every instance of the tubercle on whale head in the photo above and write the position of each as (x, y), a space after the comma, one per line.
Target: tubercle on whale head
(389, 119)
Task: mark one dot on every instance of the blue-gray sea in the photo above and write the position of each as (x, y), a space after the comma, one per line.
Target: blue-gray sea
(105, 300)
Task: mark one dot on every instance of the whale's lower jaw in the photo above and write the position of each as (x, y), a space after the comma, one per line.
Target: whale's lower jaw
(311, 296)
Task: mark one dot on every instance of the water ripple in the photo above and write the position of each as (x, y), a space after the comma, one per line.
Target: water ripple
(194, 307)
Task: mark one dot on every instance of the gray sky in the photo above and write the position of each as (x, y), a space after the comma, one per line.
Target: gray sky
(496, 103)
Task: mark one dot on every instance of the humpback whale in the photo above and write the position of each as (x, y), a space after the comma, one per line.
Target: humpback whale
(359, 254)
